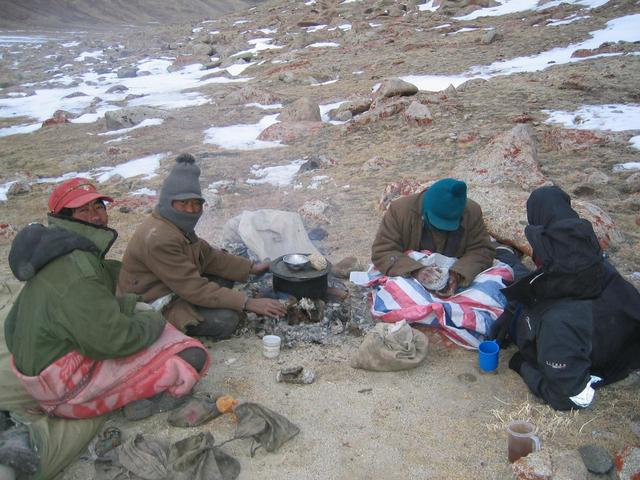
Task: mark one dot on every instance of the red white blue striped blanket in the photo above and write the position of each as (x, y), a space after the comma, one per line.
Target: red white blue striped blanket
(465, 318)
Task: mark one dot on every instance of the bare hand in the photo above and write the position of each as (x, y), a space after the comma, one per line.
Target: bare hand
(260, 268)
(427, 275)
(266, 306)
(452, 286)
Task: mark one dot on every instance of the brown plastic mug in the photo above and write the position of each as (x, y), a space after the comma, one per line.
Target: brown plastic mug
(521, 441)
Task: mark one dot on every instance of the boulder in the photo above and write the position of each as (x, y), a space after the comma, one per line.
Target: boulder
(76, 95)
(20, 187)
(381, 108)
(302, 110)
(314, 210)
(406, 186)
(535, 466)
(374, 164)
(505, 216)
(340, 115)
(557, 138)
(288, 77)
(568, 465)
(117, 89)
(59, 117)
(628, 463)
(596, 459)
(344, 267)
(603, 224)
(131, 116)
(418, 114)
(632, 183)
(290, 132)
(597, 177)
(128, 72)
(510, 159)
(489, 37)
(393, 87)
(250, 94)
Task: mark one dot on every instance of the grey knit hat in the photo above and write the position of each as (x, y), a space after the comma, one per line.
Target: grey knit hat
(182, 183)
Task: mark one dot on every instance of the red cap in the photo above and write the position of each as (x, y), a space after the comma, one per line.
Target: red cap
(74, 193)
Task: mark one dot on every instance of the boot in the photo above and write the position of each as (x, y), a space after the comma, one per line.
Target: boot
(16, 450)
(162, 402)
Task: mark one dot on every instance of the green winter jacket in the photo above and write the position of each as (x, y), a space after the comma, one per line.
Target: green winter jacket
(69, 302)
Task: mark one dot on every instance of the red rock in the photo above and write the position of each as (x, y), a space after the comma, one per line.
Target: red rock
(7, 230)
(638, 221)
(59, 117)
(134, 203)
(182, 60)
(603, 48)
(578, 140)
(418, 114)
(467, 138)
(603, 225)
(535, 466)
(406, 186)
(288, 66)
(113, 150)
(523, 118)
(627, 463)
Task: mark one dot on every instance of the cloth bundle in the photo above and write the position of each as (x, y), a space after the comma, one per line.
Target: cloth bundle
(75, 386)
(193, 458)
(465, 318)
(266, 427)
(439, 271)
(391, 347)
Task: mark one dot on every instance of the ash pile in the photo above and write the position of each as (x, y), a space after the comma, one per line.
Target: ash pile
(345, 312)
(262, 235)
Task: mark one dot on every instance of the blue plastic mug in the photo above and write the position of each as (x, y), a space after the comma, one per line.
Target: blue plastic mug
(488, 354)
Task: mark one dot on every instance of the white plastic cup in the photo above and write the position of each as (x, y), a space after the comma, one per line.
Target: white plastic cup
(271, 346)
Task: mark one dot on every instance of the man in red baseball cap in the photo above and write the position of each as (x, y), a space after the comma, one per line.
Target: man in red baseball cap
(78, 198)
(75, 349)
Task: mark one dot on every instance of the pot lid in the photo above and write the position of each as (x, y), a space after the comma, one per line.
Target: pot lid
(280, 269)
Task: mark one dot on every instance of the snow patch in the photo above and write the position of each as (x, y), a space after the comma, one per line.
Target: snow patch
(278, 176)
(241, 137)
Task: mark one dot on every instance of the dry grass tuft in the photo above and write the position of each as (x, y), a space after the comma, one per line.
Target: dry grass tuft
(548, 421)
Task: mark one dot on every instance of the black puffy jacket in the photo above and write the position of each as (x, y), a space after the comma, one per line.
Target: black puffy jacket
(579, 316)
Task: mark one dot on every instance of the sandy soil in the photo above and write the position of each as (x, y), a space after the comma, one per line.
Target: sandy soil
(443, 420)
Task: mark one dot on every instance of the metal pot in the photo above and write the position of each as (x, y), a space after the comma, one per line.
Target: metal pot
(306, 282)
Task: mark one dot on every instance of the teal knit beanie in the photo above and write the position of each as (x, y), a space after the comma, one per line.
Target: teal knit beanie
(443, 204)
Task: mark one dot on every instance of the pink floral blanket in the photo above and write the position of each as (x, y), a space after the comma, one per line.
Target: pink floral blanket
(75, 386)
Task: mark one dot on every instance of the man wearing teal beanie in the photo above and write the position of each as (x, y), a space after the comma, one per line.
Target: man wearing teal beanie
(440, 219)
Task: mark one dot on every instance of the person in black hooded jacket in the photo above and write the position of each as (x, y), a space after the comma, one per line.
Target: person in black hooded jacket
(577, 324)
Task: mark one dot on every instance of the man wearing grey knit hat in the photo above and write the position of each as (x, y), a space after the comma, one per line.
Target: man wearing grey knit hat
(182, 274)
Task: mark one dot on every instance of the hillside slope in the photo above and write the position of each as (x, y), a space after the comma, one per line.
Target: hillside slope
(96, 14)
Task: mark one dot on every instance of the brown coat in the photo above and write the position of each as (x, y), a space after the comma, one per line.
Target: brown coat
(160, 260)
(401, 230)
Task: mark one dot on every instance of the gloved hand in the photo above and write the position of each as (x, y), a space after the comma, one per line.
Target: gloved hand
(501, 326)
(516, 362)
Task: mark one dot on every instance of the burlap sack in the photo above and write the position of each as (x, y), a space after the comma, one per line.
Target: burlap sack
(390, 347)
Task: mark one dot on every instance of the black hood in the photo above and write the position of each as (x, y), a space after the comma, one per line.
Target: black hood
(36, 245)
(562, 242)
(565, 248)
(549, 204)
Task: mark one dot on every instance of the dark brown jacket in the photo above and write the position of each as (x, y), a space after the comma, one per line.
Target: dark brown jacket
(401, 230)
(160, 260)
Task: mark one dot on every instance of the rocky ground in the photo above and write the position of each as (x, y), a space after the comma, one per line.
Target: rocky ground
(444, 419)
